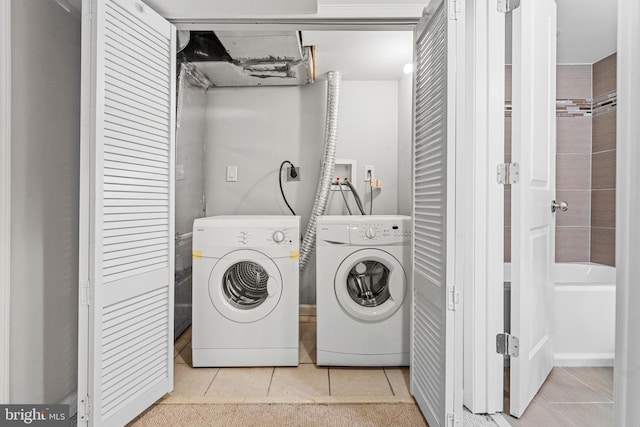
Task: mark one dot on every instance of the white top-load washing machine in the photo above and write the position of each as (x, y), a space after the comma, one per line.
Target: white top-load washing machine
(362, 295)
(245, 291)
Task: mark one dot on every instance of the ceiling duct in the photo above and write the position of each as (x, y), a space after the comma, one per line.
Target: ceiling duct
(250, 58)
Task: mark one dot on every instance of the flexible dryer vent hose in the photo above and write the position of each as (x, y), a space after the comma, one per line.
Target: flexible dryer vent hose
(327, 168)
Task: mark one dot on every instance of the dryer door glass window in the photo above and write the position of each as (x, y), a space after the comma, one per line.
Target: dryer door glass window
(368, 283)
(245, 285)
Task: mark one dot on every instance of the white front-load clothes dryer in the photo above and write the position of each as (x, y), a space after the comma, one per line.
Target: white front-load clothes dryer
(245, 291)
(362, 296)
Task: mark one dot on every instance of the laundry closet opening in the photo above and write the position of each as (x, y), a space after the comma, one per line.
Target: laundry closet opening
(250, 100)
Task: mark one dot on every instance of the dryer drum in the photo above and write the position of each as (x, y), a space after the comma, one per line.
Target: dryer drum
(245, 285)
(368, 283)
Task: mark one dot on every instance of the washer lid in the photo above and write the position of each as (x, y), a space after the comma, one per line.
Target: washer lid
(245, 286)
(370, 285)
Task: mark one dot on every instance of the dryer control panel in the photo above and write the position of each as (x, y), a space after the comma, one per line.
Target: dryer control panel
(380, 233)
(268, 236)
(209, 240)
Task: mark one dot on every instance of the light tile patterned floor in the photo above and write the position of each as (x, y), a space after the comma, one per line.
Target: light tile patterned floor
(305, 383)
(580, 397)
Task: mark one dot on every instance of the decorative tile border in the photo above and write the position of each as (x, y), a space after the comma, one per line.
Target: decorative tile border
(573, 107)
(605, 103)
(578, 107)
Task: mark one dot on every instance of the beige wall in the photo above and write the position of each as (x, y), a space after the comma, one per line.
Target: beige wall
(45, 159)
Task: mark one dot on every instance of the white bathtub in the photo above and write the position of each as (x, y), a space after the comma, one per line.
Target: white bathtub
(584, 313)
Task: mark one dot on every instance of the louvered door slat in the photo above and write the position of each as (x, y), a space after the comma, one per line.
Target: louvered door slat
(121, 78)
(143, 116)
(115, 160)
(121, 364)
(136, 154)
(127, 127)
(146, 38)
(132, 117)
(132, 76)
(123, 169)
(121, 49)
(135, 103)
(132, 237)
(146, 230)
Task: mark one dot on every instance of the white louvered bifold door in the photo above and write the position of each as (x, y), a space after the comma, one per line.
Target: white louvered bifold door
(127, 211)
(436, 369)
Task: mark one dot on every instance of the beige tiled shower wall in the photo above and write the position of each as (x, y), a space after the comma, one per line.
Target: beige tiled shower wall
(603, 164)
(573, 165)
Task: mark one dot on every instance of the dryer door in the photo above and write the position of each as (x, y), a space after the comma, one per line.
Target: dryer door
(245, 286)
(370, 285)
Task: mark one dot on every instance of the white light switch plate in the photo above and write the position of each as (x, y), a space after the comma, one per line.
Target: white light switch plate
(232, 173)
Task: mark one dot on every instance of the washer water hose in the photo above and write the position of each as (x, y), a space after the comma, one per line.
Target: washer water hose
(356, 197)
(326, 170)
(346, 202)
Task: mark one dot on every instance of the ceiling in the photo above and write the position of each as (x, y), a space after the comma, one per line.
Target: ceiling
(361, 55)
(586, 34)
(587, 30)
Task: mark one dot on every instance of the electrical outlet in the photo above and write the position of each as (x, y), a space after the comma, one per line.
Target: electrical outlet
(297, 173)
(369, 173)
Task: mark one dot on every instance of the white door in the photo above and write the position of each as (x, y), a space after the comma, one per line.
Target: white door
(127, 211)
(436, 347)
(533, 223)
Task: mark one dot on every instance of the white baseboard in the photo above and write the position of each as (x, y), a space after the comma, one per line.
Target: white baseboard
(72, 401)
(583, 359)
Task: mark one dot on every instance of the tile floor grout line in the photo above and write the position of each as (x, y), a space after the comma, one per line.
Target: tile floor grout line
(581, 403)
(329, 380)
(212, 380)
(578, 378)
(273, 371)
(564, 417)
(389, 382)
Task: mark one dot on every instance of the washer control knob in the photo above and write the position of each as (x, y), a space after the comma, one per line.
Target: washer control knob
(370, 233)
(278, 236)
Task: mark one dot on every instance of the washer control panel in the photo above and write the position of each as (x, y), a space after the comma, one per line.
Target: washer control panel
(380, 233)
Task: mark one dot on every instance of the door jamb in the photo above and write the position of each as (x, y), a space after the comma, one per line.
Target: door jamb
(483, 208)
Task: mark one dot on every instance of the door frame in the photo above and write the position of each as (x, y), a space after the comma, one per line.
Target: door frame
(5, 198)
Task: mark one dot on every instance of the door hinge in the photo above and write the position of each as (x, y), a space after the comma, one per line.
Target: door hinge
(505, 6)
(84, 409)
(453, 298)
(455, 8)
(85, 293)
(451, 419)
(508, 345)
(508, 173)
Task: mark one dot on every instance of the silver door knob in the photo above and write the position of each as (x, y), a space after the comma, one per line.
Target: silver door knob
(562, 206)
